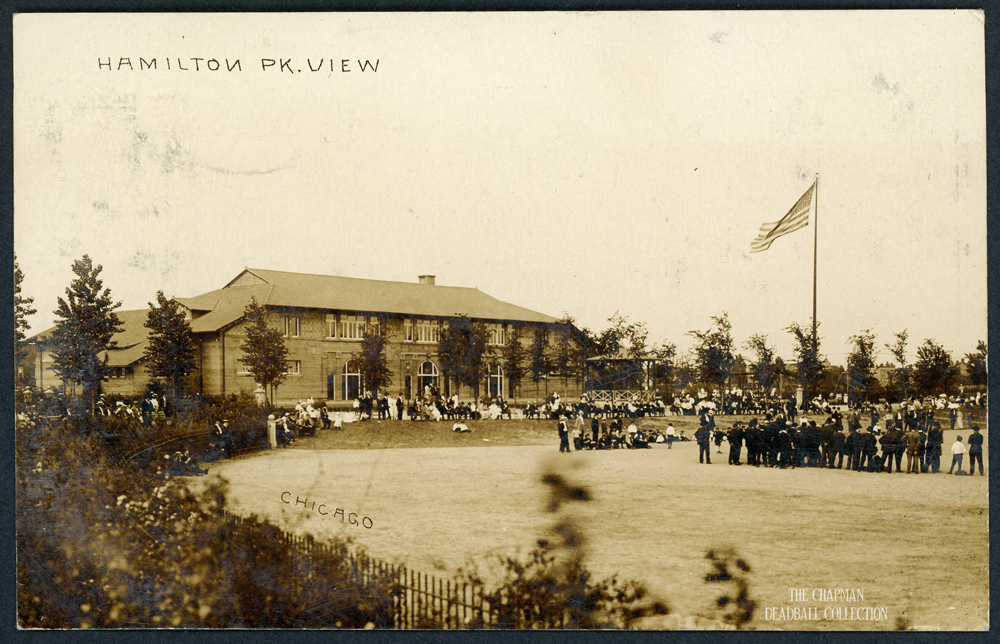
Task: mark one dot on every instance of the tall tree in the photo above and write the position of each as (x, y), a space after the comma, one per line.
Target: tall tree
(713, 352)
(465, 351)
(171, 348)
(934, 372)
(540, 366)
(665, 367)
(22, 309)
(861, 365)
(514, 357)
(571, 349)
(978, 374)
(900, 377)
(86, 324)
(372, 363)
(765, 366)
(621, 341)
(808, 360)
(264, 352)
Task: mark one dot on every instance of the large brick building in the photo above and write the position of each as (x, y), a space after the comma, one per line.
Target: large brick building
(323, 319)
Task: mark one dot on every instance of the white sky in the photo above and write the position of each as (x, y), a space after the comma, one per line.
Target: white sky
(581, 163)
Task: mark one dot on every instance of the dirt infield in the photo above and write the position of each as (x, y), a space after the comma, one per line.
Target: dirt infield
(915, 545)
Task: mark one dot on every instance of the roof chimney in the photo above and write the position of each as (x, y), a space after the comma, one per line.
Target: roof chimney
(426, 279)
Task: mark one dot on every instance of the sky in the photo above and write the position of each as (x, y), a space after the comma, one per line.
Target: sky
(570, 163)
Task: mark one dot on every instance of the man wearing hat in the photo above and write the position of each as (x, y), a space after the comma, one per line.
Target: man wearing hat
(735, 438)
(704, 438)
(935, 438)
(975, 451)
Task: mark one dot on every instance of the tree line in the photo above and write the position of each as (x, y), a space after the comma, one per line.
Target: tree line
(86, 324)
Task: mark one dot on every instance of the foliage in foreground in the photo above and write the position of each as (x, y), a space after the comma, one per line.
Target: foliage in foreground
(100, 546)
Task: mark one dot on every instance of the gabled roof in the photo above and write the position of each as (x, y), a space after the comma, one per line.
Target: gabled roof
(130, 342)
(327, 292)
(224, 306)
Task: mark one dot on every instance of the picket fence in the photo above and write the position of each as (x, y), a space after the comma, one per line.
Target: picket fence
(419, 600)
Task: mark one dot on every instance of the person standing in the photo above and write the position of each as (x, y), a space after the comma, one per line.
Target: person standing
(839, 448)
(671, 435)
(957, 452)
(912, 451)
(853, 445)
(784, 447)
(704, 438)
(975, 451)
(735, 443)
(888, 442)
(563, 435)
(934, 439)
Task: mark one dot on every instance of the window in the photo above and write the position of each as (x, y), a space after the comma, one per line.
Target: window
(241, 368)
(120, 372)
(426, 331)
(331, 327)
(292, 326)
(293, 368)
(352, 327)
(498, 335)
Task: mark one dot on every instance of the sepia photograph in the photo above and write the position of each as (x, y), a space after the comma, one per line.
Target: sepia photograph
(324, 320)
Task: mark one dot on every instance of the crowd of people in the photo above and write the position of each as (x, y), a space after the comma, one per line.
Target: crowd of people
(843, 440)
(610, 434)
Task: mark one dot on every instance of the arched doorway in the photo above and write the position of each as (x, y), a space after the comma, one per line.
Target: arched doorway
(494, 381)
(351, 380)
(427, 378)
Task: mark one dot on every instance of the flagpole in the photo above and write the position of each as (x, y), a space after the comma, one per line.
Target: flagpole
(815, 244)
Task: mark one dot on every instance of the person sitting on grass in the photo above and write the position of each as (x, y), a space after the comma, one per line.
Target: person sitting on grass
(460, 427)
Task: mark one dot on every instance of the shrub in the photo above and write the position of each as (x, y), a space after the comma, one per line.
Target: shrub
(105, 546)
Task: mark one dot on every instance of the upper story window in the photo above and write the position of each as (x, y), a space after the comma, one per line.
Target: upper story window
(293, 368)
(422, 330)
(352, 327)
(292, 326)
(498, 335)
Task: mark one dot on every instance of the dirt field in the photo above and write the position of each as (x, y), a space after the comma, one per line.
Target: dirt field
(916, 545)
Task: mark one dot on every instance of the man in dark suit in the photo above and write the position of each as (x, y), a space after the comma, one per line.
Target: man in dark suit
(735, 438)
(704, 438)
(935, 438)
(838, 448)
(888, 442)
(784, 444)
(975, 450)
(853, 446)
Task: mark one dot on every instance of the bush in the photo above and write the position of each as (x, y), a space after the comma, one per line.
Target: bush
(105, 546)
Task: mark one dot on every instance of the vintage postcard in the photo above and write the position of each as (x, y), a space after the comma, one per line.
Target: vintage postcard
(626, 320)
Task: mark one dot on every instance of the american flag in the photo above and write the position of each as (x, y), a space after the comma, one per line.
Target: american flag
(797, 217)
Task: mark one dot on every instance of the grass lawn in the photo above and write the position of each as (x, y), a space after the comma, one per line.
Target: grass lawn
(915, 544)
